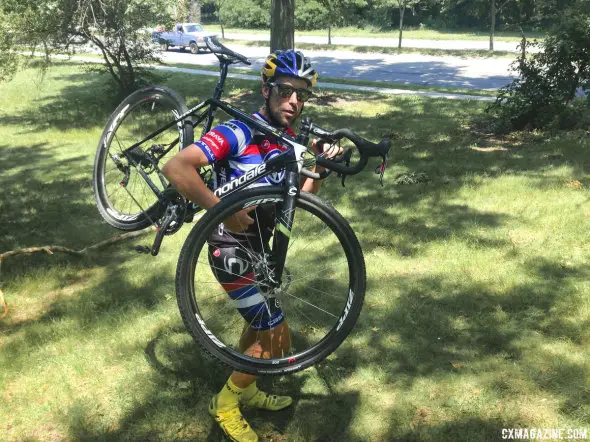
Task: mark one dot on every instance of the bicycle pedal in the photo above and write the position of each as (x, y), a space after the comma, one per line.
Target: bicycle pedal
(142, 249)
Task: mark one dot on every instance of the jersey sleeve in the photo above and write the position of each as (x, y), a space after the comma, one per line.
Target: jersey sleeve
(225, 140)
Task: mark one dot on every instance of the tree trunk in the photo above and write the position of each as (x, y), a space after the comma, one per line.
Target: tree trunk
(402, 10)
(194, 11)
(522, 46)
(493, 25)
(329, 34)
(222, 30)
(282, 24)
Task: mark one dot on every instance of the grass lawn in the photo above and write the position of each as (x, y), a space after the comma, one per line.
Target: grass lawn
(419, 34)
(477, 315)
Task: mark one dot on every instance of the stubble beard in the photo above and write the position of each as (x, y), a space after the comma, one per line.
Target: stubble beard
(272, 116)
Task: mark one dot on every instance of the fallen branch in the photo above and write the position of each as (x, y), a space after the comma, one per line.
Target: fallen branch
(4, 306)
(53, 249)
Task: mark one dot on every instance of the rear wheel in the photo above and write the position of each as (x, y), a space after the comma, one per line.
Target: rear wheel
(123, 196)
(321, 292)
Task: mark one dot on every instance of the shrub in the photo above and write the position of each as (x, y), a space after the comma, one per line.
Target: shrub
(549, 80)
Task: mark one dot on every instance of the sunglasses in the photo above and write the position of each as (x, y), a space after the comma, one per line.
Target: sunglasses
(286, 91)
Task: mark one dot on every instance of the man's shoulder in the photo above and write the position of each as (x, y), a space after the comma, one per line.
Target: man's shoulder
(237, 126)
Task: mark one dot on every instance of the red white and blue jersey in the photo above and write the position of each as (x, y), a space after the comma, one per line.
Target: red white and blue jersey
(235, 149)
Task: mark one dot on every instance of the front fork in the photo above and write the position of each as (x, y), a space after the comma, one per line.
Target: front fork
(284, 224)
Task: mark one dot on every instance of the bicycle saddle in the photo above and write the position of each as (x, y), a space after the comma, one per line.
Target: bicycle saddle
(224, 53)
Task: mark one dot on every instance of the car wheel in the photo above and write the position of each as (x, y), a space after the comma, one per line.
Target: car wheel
(164, 47)
(194, 48)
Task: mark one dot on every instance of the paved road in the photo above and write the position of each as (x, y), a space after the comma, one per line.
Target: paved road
(387, 42)
(403, 68)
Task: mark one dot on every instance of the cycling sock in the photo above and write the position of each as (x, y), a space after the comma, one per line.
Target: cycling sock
(253, 397)
(229, 396)
(249, 392)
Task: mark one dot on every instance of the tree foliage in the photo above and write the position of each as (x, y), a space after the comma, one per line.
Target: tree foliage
(386, 14)
(114, 26)
(545, 91)
(330, 13)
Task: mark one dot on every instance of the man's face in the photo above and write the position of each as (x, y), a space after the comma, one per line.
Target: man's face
(284, 110)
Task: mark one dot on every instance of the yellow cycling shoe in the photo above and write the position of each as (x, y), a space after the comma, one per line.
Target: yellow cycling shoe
(232, 423)
(265, 401)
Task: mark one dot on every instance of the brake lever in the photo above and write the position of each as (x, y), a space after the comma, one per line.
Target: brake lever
(381, 168)
(345, 157)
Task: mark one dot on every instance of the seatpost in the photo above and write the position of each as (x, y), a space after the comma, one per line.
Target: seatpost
(224, 65)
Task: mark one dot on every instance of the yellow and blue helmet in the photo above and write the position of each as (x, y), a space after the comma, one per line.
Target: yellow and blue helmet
(289, 63)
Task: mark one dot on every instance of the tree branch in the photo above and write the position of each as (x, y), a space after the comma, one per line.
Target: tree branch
(127, 59)
(4, 306)
(499, 8)
(52, 249)
(106, 54)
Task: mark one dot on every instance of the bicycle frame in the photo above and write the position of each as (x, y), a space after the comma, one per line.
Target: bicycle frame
(210, 106)
(289, 161)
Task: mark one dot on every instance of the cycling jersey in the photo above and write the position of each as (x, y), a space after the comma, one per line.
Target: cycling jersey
(233, 149)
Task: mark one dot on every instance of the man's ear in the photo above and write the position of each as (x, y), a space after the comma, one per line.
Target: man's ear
(265, 91)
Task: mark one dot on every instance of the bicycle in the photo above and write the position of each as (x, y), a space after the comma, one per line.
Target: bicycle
(319, 284)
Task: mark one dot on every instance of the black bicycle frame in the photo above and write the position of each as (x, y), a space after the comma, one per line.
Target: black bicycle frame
(274, 165)
(286, 161)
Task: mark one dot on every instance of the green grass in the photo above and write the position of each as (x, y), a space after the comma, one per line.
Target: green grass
(477, 311)
(419, 34)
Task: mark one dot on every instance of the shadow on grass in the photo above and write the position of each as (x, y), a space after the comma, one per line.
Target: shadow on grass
(47, 201)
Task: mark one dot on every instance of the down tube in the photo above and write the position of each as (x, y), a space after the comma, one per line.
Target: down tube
(284, 223)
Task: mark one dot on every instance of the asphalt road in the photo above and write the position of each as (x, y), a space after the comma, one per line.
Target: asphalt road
(475, 73)
(387, 42)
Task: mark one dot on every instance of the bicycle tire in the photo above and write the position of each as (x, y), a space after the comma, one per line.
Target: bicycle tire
(210, 325)
(134, 206)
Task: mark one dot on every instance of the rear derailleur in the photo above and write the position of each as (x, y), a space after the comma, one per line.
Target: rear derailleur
(171, 217)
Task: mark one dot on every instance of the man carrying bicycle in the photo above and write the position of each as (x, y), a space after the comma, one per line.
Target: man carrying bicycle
(233, 149)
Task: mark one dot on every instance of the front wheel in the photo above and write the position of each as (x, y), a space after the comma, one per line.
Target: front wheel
(224, 288)
(123, 196)
(194, 48)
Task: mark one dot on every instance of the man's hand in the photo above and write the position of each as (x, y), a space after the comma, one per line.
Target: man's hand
(326, 150)
(239, 221)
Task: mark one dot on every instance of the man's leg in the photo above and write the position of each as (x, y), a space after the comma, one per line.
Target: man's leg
(272, 343)
(241, 387)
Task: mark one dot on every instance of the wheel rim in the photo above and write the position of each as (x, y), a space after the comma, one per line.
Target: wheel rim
(126, 203)
(314, 293)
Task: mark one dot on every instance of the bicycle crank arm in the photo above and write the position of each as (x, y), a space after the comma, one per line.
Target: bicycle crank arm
(159, 237)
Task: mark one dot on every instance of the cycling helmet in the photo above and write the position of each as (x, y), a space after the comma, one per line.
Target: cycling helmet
(290, 63)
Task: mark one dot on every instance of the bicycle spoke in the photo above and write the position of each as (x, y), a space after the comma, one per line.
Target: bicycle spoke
(309, 276)
(306, 317)
(310, 304)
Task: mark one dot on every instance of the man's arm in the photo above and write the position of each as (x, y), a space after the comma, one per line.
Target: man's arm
(181, 171)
